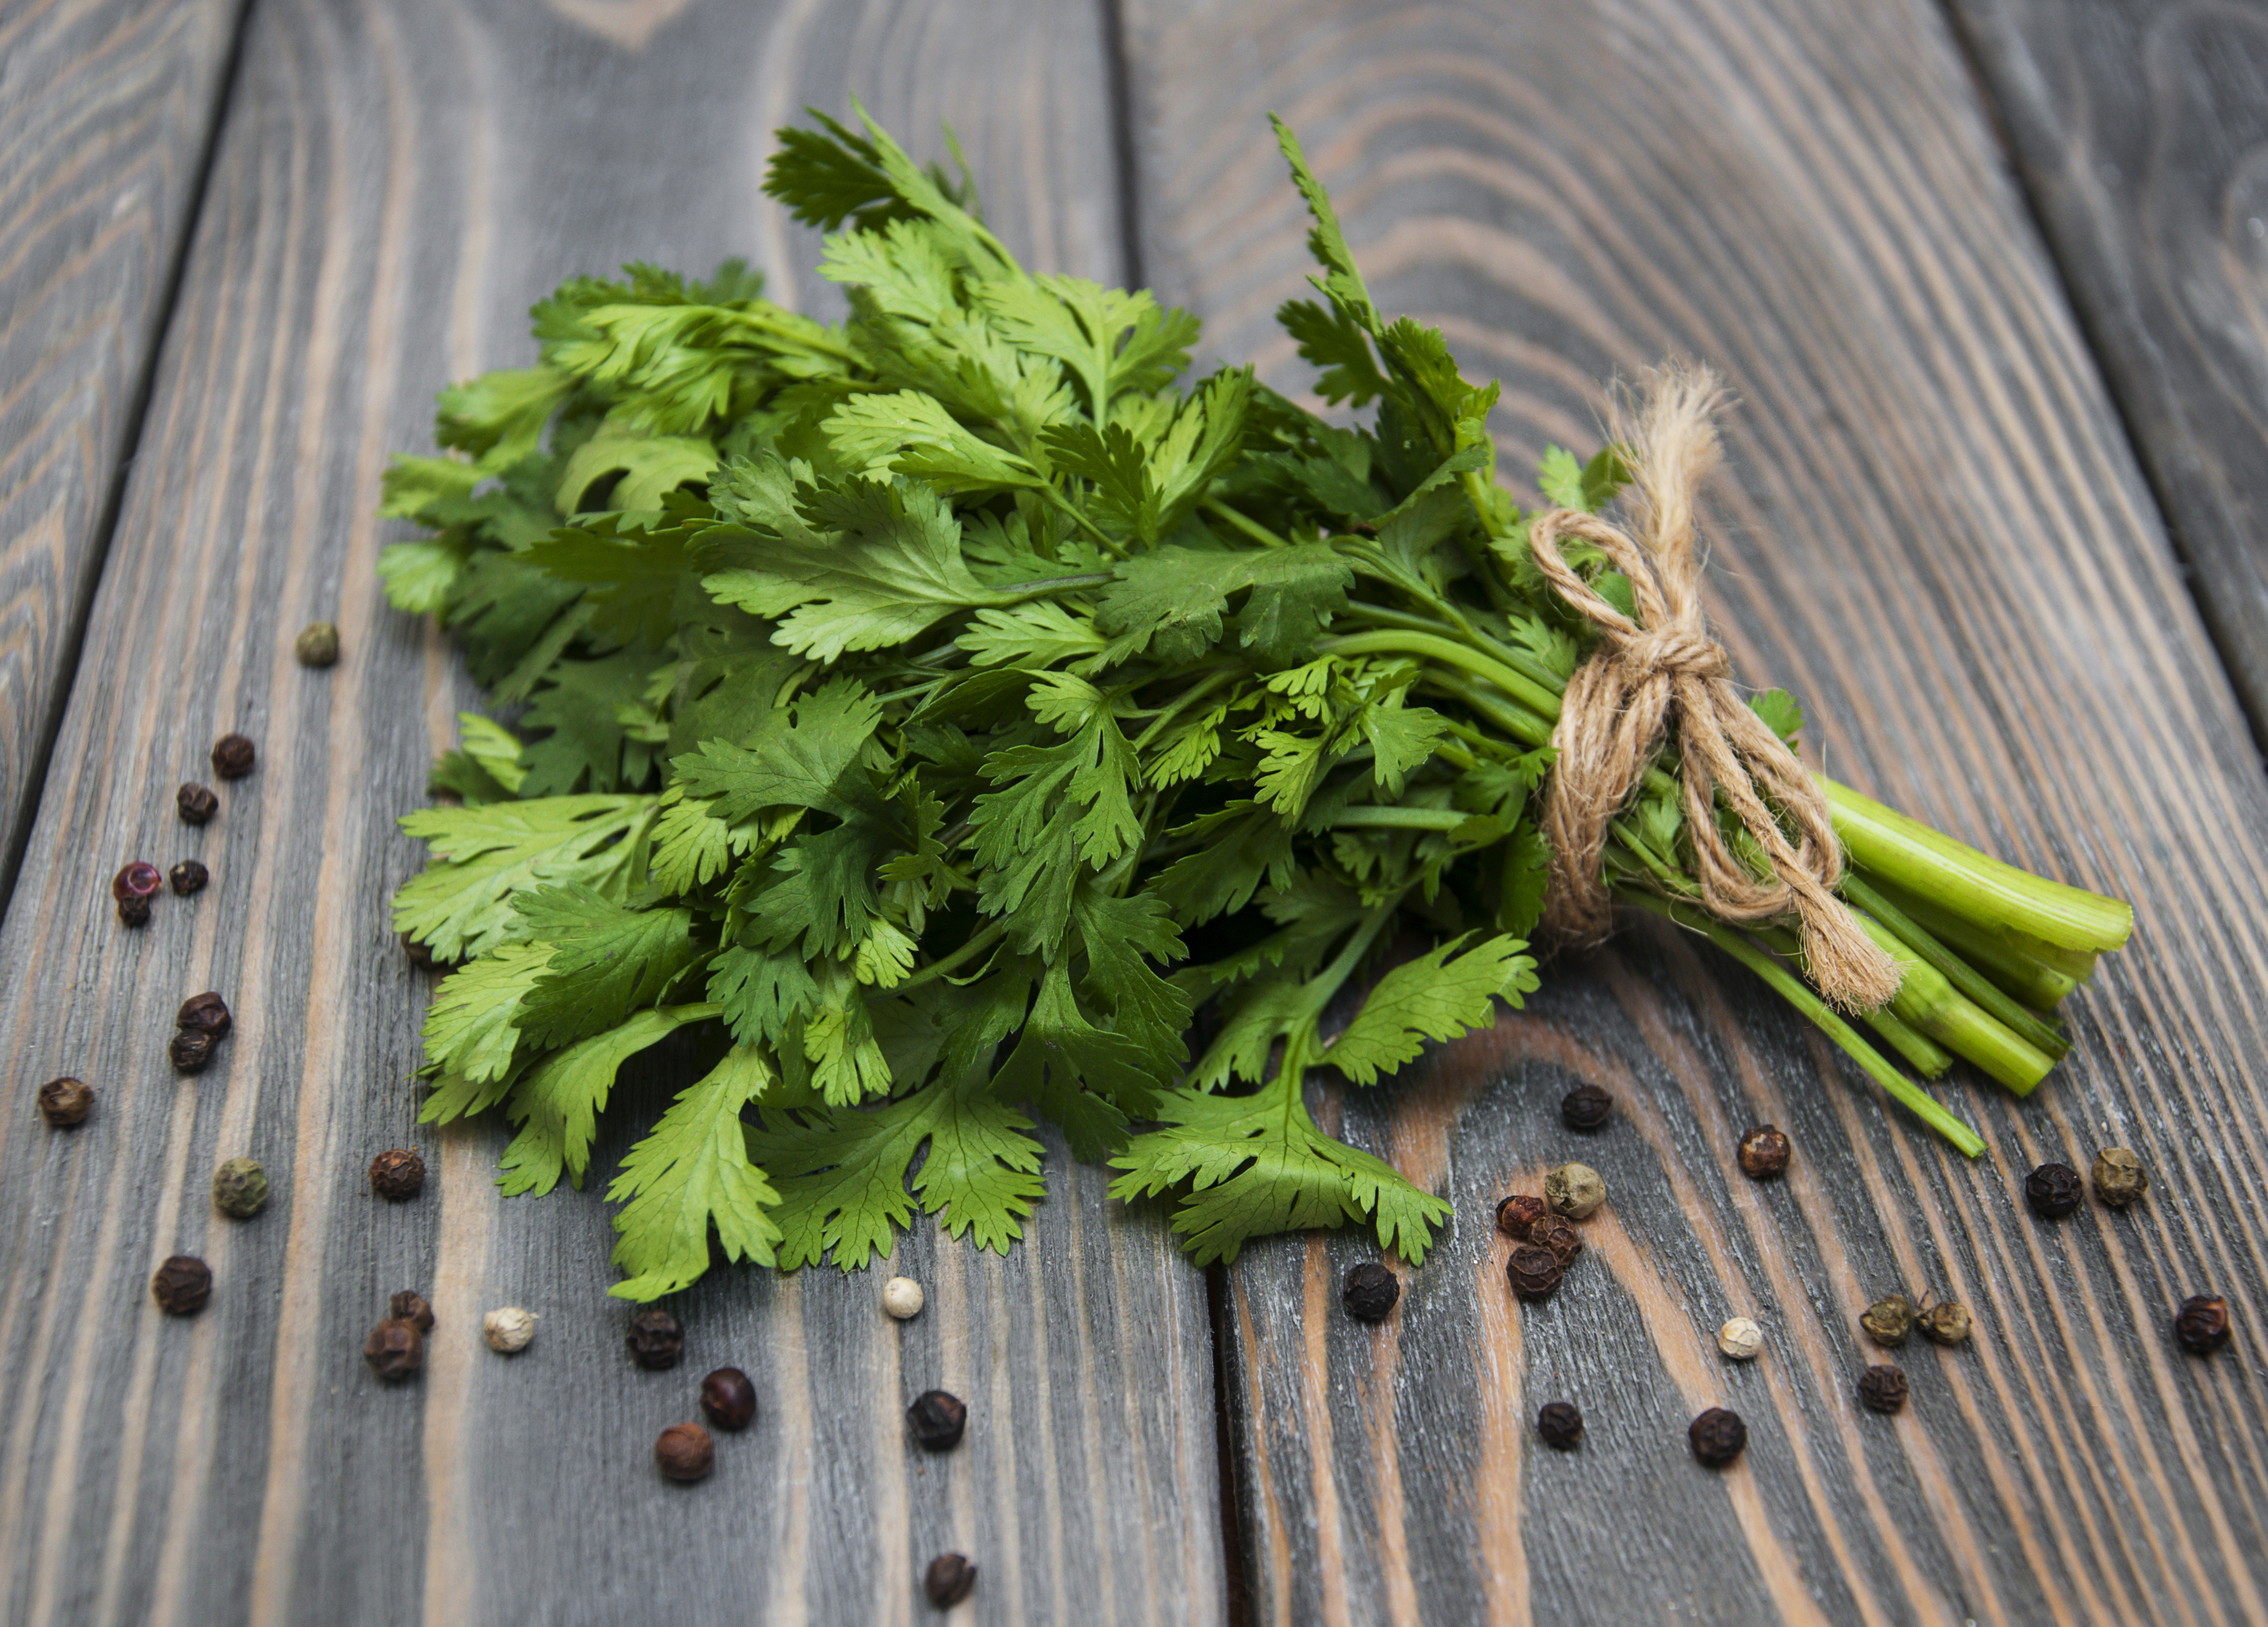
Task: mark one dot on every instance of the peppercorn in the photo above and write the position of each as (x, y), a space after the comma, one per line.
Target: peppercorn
(2053, 1190)
(1740, 1339)
(1585, 1107)
(1717, 1436)
(901, 1297)
(411, 1307)
(395, 1348)
(397, 1174)
(188, 877)
(684, 1452)
(2119, 1177)
(195, 803)
(1888, 1319)
(1560, 1236)
(240, 1187)
(728, 1398)
(2202, 1324)
(1883, 1389)
(139, 879)
(420, 954)
(508, 1329)
(1946, 1322)
(1370, 1292)
(938, 1419)
(1517, 1213)
(181, 1285)
(1574, 1190)
(65, 1101)
(134, 911)
(1533, 1272)
(1763, 1153)
(317, 644)
(656, 1339)
(1561, 1424)
(207, 1011)
(191, 1050)
(232, 756)
(948, 1579)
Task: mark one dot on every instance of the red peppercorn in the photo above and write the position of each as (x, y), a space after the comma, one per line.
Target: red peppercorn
(195, 803)
(1718, 1436)
(938, 1419)
(232, 756)
(1517, 1213)
(191, 1050)
(181, 1285)
(684, 1452)
(948, 1580)
(409, 1305)
(395, 1348)
(397, 1175)
(188, 877)
(1558, 1234)
(728, 1398)
(2202, 1324)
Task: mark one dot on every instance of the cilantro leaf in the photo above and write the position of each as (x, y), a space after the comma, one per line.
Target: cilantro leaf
(690, 1171)
(461, 904)
(606, 960)
(557, 1103)
(1438, 996)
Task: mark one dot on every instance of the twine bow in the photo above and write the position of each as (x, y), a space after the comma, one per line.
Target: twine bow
(1620, 704)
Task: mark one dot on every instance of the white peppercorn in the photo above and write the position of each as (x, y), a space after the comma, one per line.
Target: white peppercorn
(509, 1328)
(902, 1297)
(1740, 1339)
(1574, 1190)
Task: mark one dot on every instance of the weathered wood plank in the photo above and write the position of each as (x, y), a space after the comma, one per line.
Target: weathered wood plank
(395, 183)
(2141, 134)
(1934, 533)
(104, 110)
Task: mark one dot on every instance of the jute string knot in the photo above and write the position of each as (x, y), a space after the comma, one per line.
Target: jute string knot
(1663, 668)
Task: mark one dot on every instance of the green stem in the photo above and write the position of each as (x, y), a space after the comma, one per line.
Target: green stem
(2037, 984)
(980, 940)
(1078, 517)
(1179, 703)
(1537, 698)
(1798, 994)
(1927, 1001)
(1370, 818)
(1978, 887)
(1047, 587)
(1957, 971)
(1245, 523)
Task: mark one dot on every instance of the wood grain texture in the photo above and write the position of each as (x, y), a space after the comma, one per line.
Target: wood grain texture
(105, 106)
(2140, 129)
(1934, 531)
(396, 181)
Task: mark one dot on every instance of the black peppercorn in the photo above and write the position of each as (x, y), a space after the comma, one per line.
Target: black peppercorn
(395, 1348)
(1560, 1424)
(938, 1419)
(684, 1452)
(1718, 1436)
(1517, 1213)
(65, 1101)
(1585, 1107)
(1763, 1153)
(181, 1285)
(1559, 1235)
(188, 877)
(134, 911)
(1533, 1272)
(656, 1339)
(232, 756)
(397, 1175)
(409, 1305)
(1370, 1292)
(420, 954)
(728, 1398)
(207, 1011)
(1883, 1389)
(191, 1050)
(2053, 1190)
(2202, 1324)
(948, 1579)
(195, 803)
(317, 644)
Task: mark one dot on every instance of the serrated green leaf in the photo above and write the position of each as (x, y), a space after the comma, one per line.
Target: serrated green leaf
(691, 1172)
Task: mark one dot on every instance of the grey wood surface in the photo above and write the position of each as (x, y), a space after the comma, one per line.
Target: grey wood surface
(104, 110)
(2140, 129)
(1934, 531)
(394, 183)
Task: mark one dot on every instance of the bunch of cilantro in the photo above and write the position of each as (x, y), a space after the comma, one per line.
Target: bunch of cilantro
(938, 719)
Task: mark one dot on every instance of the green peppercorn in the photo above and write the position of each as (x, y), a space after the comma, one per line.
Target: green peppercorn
(240, 1187)
(1946, 1322)
(2119, 1177)
(1574, 1190)
(317, 644)
(1888, 1319)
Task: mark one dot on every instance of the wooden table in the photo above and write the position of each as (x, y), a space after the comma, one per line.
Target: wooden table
(1990, 282)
